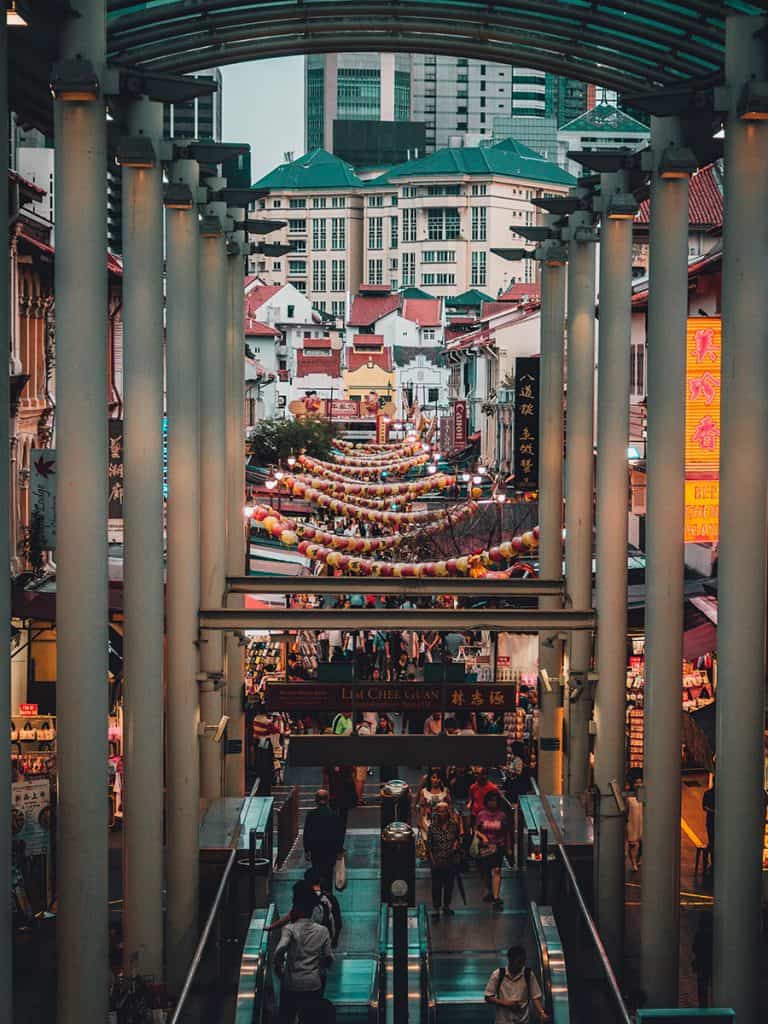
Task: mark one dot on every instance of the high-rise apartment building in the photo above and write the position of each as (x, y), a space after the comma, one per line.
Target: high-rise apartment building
(199, 118)
(354, 87)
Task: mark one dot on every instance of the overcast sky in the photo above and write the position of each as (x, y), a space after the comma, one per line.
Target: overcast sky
(264, 104)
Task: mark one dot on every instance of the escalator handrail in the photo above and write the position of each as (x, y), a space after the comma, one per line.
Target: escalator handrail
(254, 967)
(428, 1001)
(379, 993)
(554, 979)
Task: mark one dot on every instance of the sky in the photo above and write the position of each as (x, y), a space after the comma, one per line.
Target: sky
(263, 103)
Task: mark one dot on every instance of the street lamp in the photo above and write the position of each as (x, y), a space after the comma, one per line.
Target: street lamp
(291, 460)
(74, 81)
(15, 16)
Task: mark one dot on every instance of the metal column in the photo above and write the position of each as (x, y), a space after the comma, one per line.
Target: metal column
(579, 482)
(742, 570)
(6, 940)
(213, 489)
(183, 575)
(81, 554)
(234, 761)
(612, 510)
(665, 460)
(551, 512)
(143, 546)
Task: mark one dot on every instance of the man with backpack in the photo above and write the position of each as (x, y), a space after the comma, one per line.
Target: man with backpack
(323, 837)
(515, 991)
(328, 911)
(302, 957)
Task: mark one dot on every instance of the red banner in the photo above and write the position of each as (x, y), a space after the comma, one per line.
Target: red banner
(459, 425)
(28, 710)
(342, 409)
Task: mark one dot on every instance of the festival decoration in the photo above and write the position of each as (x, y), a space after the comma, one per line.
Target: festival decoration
(396, 468)
(405, 491)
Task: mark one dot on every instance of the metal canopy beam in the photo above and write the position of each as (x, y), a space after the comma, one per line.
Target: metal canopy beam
(383, 585)
(500, 620)
(306, 751)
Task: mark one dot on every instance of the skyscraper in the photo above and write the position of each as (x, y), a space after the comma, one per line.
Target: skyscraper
(199, 118)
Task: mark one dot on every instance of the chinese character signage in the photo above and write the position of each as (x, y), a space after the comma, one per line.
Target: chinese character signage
(459, 425)
(115, 469)
(42, 495)
(526, 423)
(31, 815)
(702, 428)
(445, 435)
(420, 697)
(382, 429)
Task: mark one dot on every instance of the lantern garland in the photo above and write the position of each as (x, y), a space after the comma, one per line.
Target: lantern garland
(407, 491)
(391, 447)
(374, 461)
(288, 533)
(401, 451)
(327, 472)
(397, 468)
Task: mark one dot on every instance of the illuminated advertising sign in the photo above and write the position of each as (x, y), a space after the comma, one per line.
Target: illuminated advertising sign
(703, 361)
(526, 423)
(702, 511)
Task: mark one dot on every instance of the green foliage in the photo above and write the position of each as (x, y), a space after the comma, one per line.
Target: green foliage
(34, 538)
(274, 440)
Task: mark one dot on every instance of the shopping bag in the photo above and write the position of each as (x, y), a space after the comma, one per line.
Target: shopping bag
(340, 875)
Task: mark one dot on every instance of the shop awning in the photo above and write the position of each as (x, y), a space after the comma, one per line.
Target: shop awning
(699, 640)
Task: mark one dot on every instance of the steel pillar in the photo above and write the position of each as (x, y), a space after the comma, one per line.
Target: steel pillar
(550, 757)
(6, 939)
(143, 546)
(612, 489)
(213, 491)
(579, 484)
(665, 461)
(234, 761)
(183, 339)
(742, 569)
(81, 554)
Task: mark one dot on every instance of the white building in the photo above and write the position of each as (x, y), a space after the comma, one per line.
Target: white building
(602, 127)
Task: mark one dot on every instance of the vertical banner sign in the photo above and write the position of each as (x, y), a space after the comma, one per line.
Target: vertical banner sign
(702, 428)
(526, 423)
(446, 442)
(382, 429)
(31, 815)
(459, 425)
(42, 495)
(115, 469)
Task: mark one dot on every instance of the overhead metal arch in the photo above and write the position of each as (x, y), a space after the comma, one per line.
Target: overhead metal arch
(626, 45)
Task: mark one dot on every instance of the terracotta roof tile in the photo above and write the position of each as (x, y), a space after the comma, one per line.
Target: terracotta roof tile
(366, 310)
(424, 312)
(258, 329)
(705, 200)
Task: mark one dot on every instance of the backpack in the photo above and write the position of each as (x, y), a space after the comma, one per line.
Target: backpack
(500, 978)
(331, 916)
(337, 722)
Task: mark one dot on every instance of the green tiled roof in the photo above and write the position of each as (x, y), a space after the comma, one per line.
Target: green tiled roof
(508, 159)
(605, 117)
(316, 169)
(415, 293)
(473, 297)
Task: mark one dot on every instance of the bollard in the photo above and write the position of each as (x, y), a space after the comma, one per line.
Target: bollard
(395, 802)
(398, 860)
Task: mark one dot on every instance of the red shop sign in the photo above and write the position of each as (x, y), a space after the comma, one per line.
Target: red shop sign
(28, 710)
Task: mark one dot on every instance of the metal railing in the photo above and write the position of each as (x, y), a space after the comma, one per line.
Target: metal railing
(254, 968)
(287, 826)
(213, 914)
(554, 979)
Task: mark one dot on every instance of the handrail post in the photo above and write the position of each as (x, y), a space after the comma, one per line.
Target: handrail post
(251, 869)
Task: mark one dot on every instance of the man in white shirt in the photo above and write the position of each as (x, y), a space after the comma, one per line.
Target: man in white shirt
(515, 991)
(302, 956)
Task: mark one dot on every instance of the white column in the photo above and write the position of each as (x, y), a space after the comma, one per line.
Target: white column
(234, 763)
(742, 570)
(183, 343)
(143, 551)
(551, 513)
(579, 483)
(612, 511)
(665, 461)
(6, 939)
(213, 493)
(81, 555)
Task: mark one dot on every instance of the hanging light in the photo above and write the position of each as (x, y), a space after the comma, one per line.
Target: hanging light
(279, 474)
(501, 497)
(477, 479)
(271, 484)
(465, 478)
(291, 460)
(432, 469)
(482, 470)
(15, 15)
(248, 511)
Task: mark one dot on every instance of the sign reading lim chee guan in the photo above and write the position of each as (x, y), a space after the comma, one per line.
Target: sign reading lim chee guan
(363, 696)
(703, 361)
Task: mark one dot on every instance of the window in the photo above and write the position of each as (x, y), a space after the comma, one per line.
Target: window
(300, 246)
(276, 265)
(394, 199)
(452, 224)
(375, 271)
(428, 334)
(438, 256)
(338, 308)
(393, 264)
(321, 306)
(318, 203)
(276, 204)
(444, 190)
(482, 69)
(338, 233)
(297, 226)
(297, 266)
(393, 284)
(338, 202)
(409, 225)
(482, 87)
(433, 396)
(482, 101)
(478, 268)
(376, 233)
(297, 204)
(637, 370)
(479, 223)
(435, 224)
(319, 283)
(441, 279)
(409, 268)
(375, 200)
(393, 225)
(300, 286)
(291, 312)
(319, 240)
(338, 275)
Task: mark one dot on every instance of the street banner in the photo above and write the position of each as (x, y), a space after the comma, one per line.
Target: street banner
(459, 425)
(526, 461)
(115, 469)
(703, 367)
(42, 496)
(390, 697)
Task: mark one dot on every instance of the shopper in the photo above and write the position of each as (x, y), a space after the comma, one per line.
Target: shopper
(702, 957)
(479, 790)
(302, 957)
(493, 842)
(434, 724)
(634, 828)
(343, 794)
(708, 806)
(444, 854)
(433, 791)
(515, 991)
(342, 724)
(323, 837)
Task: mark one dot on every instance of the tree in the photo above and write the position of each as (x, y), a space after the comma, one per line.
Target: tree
(273, 441)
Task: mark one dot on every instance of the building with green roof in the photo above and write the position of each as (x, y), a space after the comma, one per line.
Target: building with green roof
(605, 126)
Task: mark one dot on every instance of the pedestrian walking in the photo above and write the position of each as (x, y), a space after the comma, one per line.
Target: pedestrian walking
(323, 837)
(515, 991)
(444, 854)
(302, 958)
(479, 790)
(634, 829)
(433, 791)
(343, 794)
(708, 806)
(492, 843)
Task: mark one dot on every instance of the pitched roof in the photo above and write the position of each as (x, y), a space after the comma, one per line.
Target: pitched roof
(710, 261)
(259, 295)
(472, 297)
(382, 359)
(423, 312)
(415, 293)
(521, 291)
(257, 329)
(315, 169)
(508, 158)
(705, 199)
(605, 117)
(367, 309)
